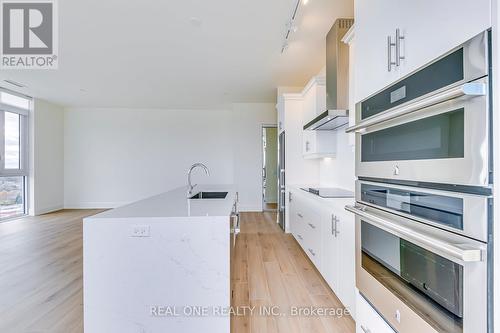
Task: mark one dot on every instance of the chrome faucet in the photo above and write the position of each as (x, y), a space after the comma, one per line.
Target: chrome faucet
(194, 166)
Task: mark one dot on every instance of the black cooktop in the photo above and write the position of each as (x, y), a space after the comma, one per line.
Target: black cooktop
(329, 192)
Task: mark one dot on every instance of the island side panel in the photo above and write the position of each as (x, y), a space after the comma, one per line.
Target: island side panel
(183, 263)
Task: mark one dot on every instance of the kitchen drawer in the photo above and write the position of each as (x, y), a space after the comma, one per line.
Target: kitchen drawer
(313, 250)
(368, 320)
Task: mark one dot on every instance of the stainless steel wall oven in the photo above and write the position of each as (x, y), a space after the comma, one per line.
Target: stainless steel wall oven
(423, 195)
(433, 125)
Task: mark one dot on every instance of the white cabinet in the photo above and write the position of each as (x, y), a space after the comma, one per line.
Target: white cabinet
(374, 23)
(314, 95)
(326, 234)
(339, 252)
(306, 227)
(368, 320)
(281, 117)
(316, 144)
(430, 29)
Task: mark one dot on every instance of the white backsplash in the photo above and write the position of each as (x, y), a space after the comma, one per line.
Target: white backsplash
(339, 171)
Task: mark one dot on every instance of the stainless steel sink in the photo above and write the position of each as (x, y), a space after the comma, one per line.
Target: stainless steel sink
(209, 195)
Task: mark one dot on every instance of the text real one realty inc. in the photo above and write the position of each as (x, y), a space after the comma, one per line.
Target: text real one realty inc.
(274, 311)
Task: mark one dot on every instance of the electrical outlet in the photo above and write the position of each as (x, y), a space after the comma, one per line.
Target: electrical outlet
(140, 231)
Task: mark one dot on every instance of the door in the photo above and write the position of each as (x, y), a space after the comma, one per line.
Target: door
(281, 180)
(270, 168)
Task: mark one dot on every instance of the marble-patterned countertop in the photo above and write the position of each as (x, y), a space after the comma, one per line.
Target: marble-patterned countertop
(175, 204)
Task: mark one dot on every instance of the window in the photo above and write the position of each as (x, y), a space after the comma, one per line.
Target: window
(14, 110)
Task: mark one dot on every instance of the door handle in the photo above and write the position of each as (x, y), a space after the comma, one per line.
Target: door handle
(468, 90)
(282, 178)
(390, 45)
(455, 252)
(399, 39)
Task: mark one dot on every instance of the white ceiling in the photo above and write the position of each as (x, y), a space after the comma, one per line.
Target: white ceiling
(180, 54)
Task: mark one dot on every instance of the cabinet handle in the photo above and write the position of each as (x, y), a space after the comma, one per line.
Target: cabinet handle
(312, 225)
(307, 146)
(300, 215)
(333, 221)
(312, 252)
(364, 329)
(289, 196)
(390, 44)
(399, 39)
(282, 199)
(335, 232)
(300, 237)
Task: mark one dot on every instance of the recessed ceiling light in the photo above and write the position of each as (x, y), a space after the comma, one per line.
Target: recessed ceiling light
(14, 83)
(195, 21)
(305, 2)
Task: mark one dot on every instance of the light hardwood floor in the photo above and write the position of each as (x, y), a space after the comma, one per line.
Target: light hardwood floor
(272, 270)
(41, 277)
(41, 273)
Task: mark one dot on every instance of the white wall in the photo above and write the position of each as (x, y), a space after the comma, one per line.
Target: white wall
(247, 144)
(46, 158)
(116, 156)
(339, 170)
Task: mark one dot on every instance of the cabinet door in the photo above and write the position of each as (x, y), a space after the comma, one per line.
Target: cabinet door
(308, 142)
(375, 20)
(331, 255)
(432, 28)
(292, 215)
(368, 320)
(345, 227)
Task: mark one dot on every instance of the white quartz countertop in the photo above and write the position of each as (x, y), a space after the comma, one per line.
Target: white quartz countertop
(333, 201)
(175, 204)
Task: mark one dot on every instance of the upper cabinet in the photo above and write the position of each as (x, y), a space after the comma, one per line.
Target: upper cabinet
(394, 38)
(316, 144)
(314, 98)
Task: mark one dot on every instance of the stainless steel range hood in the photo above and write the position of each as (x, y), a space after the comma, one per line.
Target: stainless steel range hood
(337, 80)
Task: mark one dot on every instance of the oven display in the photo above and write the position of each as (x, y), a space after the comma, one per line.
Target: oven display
(447, 211)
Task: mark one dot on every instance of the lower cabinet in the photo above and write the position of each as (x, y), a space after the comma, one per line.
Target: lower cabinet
(368, 320)
(325, 231)
(339, 253)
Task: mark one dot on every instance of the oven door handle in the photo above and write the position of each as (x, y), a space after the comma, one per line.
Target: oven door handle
(459, 252)
(471, 89)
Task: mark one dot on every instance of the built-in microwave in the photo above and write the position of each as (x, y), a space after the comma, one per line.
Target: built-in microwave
(433, 126)
(420, 278)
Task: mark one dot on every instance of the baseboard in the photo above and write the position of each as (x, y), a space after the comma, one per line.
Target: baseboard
(94, 205)
(46, 210)
(250, 208)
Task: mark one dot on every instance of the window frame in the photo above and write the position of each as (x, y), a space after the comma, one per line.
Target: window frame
(24, 146)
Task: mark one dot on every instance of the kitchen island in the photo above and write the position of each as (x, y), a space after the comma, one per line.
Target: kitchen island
(160, 265)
